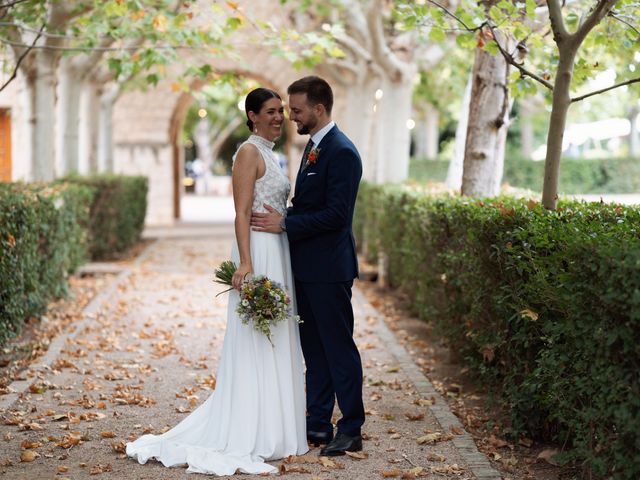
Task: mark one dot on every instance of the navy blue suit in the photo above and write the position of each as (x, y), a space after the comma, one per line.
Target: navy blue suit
(324, 263)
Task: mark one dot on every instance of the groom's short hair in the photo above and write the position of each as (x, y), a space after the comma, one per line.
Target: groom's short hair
(317, 90)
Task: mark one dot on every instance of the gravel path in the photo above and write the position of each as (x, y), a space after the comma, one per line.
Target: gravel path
(147, 354)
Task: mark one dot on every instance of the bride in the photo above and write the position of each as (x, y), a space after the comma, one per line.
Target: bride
(257, 412)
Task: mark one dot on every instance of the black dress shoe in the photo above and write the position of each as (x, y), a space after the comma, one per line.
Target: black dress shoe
(319, 438)
(342, 443)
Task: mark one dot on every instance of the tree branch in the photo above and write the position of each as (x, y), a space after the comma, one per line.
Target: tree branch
(357, 49)
(452, 15)
(557, 23)
(100, 49)
(613, 14)
(383, 54)
(511, 61)
(12, 3)
(602, 8)
(597, 92)
(20, 59)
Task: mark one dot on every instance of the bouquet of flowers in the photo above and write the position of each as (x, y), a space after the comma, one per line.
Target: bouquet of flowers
(263, 302)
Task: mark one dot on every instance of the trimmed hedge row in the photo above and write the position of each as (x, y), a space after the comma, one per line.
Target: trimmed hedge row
(48, 230)
(117, 212)
(609, 175)
(544, 305)
(41, 241)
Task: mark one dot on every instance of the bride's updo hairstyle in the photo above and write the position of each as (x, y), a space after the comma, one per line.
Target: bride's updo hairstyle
(254, 101)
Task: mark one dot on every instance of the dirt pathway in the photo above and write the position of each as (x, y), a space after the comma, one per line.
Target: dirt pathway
(148, 355)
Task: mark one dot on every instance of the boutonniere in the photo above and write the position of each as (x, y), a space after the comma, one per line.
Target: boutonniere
(313, 155)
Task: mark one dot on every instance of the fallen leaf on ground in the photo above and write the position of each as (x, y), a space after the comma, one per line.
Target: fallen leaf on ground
(429, 438)
(27, 445)
(99, 468)
(327, 462)
(414, 417)
(391, 473)
(448, 469)
(526, 442)
(108, 434)
(547, 455)
(70, 440)
(119, 447)
(308, 458)
(413, 473)
(435, 457)
(497, 442)
(358, 455)
(28, 456)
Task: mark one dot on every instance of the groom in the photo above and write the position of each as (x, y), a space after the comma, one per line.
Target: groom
(324, 263)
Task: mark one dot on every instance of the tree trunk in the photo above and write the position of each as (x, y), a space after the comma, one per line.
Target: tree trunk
(634, 141)
(359, 117)
(394, 111)
(88, 137)
(105, 128)
(454, 173)
(69, 116)
(432, 132)
(557, 123)
(426, 134)
(43, 117)
(488, 122)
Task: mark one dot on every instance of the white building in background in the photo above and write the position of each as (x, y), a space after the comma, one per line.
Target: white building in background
(602, 138)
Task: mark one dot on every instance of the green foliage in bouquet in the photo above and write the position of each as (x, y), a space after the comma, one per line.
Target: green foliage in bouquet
(263, 302)
(224, 274)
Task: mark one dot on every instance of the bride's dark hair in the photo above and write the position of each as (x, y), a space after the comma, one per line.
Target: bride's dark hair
(254, 101)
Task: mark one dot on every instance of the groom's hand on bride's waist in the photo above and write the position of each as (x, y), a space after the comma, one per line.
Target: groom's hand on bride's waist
(271, 221)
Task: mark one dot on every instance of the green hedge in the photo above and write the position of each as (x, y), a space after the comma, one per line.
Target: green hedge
(611, 175)
(544, 305)
(41, 242)
(117, 212)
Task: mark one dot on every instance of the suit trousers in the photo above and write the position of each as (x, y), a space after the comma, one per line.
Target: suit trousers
(333, 364)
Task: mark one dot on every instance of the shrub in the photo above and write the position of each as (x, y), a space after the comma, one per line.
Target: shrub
(117, 212)
(577, 175)
(544, 306)
(41, 242)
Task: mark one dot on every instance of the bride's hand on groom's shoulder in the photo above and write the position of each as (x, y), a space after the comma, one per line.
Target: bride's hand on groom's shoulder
(268, 221)
(243, 272)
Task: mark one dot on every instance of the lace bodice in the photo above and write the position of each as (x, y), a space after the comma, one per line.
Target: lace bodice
(273, 187)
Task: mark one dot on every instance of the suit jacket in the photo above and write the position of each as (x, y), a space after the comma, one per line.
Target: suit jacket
(319, 224)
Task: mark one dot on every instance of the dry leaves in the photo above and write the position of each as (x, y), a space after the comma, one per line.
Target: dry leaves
(414, 417)
(436, 457)
(358, 455)
(99, 468)
(429, 438)
(548, 454)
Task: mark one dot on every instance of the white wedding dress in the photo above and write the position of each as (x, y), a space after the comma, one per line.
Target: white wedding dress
(257, 411)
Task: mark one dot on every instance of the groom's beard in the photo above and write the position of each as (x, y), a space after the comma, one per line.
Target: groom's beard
(306, 127)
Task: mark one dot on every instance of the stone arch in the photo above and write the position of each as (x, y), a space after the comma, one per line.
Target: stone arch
(147, 126)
